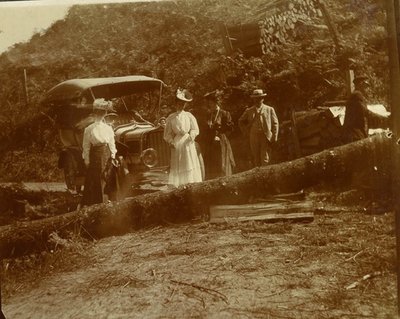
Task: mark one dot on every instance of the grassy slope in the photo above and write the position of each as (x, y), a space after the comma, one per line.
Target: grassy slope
(180, 43)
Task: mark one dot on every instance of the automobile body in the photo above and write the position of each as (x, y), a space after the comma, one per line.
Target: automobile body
(140, 144)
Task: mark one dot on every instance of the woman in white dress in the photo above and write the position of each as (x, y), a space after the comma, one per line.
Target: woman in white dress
(180, 132)
(98, 147)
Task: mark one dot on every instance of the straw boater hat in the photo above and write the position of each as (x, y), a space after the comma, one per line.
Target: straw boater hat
(258, 93)
(184, 95)
(213, 94)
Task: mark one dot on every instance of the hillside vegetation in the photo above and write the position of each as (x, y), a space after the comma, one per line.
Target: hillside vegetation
(180, 43)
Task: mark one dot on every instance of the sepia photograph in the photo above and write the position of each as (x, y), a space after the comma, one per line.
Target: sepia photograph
(200, 159)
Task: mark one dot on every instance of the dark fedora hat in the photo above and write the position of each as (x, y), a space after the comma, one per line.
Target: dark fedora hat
(360, 79)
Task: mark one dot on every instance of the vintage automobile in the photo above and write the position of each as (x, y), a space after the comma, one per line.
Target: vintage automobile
(140, 145)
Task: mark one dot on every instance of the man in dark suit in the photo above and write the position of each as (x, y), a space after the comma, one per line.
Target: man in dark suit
(260, 124)
(356, 116)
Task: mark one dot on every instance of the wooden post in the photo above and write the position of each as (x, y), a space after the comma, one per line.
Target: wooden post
(226, 39)
(295, 136)
(393, 28)
(335, 36)
(349, 81)
(158, 114)
(26, 88)
(329, 23)
(1, 278)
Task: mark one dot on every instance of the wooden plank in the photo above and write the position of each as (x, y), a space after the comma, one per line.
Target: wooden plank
(300, 195)
(278, 210)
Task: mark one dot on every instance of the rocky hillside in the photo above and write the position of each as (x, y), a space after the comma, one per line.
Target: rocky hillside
(180, 42)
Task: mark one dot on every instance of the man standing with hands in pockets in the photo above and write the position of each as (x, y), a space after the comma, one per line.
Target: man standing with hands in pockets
(260, 123)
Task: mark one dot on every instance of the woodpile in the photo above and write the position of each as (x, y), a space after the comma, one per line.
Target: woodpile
(276, 28)
(256, 39)
(316, 130)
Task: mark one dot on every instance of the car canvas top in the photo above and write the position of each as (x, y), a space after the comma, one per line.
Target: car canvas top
(108, 88)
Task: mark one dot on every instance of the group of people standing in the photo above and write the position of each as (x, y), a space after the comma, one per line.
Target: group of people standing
(259, 123)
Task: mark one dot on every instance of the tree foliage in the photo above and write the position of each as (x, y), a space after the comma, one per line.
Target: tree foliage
(180, 43)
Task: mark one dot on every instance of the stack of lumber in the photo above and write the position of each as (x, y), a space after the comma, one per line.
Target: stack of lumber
(316, 130)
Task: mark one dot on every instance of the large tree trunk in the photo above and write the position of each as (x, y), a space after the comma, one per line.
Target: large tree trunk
(11, 192)
(371, 156)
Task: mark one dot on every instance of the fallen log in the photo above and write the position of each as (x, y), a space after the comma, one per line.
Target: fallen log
(11, 192)
(371, 155)
(34, 200)
(35, 193)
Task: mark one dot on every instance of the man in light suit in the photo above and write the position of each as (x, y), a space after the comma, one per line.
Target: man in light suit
(261, 125)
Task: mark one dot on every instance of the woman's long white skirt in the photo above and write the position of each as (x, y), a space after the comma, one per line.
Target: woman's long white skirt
(185, 164)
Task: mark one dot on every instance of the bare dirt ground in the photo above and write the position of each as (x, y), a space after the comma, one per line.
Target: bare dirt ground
(231, 270)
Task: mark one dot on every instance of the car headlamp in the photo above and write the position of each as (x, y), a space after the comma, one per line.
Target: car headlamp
(149, 157)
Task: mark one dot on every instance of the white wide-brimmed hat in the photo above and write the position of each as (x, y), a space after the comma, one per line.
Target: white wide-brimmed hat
(184, 95)
(102, 104)
(258, 93)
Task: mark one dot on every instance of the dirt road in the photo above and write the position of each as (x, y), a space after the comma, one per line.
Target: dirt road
(247, 270)
(42, 186)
